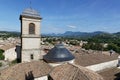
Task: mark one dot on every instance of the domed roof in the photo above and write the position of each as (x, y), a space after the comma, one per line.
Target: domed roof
(73, 72)
(58, 54)
(31, 13)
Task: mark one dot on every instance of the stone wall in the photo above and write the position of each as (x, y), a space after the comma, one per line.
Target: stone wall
(25, 25)
(26, 55)
(31, 43)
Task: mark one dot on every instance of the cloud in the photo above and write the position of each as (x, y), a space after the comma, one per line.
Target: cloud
(71, 26)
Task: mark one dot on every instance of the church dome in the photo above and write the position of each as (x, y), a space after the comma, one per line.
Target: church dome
(58, 54)
(31, 13)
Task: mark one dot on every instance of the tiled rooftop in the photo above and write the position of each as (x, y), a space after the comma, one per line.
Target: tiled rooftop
(7, 46)
(23, 70)
(110, 74)
(73, 72)
(36, 69)
(93, 58)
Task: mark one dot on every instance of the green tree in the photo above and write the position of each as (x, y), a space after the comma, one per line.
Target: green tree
(113, 47)
(1, 55)
(0, 64)
(93, 46)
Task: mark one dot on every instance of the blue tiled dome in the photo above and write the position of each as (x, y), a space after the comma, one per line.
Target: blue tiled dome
(58, 54)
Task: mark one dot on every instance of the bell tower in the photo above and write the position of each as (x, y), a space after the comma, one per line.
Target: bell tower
(30, 35)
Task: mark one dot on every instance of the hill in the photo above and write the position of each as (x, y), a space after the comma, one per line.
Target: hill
(9, 34)
(83, 34)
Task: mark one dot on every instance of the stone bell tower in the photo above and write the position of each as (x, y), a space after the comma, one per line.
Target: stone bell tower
(30, 35)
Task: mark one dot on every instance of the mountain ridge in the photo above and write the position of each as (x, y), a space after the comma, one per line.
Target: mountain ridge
(71, 34)
(79, 34)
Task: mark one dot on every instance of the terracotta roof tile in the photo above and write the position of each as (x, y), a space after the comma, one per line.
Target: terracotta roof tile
(93, 58)
(111, 74)
(73, 72)
(7, 46)
(18, 72)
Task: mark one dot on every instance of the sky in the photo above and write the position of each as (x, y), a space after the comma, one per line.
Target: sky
(60, 16)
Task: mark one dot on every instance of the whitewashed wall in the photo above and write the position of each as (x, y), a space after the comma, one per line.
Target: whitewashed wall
(101, 66)
(10, 54)
(42, 78)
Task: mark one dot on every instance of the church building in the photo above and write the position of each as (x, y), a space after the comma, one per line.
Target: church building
(30, 35)
(57, 64)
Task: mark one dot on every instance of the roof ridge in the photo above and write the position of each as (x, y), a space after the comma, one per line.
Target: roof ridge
(77, 66)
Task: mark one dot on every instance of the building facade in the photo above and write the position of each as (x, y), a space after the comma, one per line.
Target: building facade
(30, 35)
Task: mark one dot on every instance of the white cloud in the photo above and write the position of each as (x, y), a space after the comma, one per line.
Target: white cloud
(70, 26)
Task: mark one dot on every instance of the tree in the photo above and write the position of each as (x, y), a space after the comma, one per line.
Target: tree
(0, 64)
(113, 47)
(1, 55)
(93, 46)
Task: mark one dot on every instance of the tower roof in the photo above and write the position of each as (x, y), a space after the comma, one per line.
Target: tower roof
(58, 54)
(29, 12)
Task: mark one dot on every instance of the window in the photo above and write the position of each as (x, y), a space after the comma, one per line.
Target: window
(31, 28)
(31, 56)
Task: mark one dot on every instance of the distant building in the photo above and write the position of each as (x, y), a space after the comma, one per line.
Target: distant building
(9, 52)
(30, 35)
(43, 70)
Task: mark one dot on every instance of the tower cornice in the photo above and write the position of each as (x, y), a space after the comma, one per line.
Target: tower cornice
(25, 16)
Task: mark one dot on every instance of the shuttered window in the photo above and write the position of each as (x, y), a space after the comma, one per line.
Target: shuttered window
(31, 28)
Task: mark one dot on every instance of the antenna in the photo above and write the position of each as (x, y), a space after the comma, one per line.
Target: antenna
(30, 4)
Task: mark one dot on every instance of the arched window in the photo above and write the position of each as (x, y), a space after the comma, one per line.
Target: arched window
(31, 56)
(31, 28)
